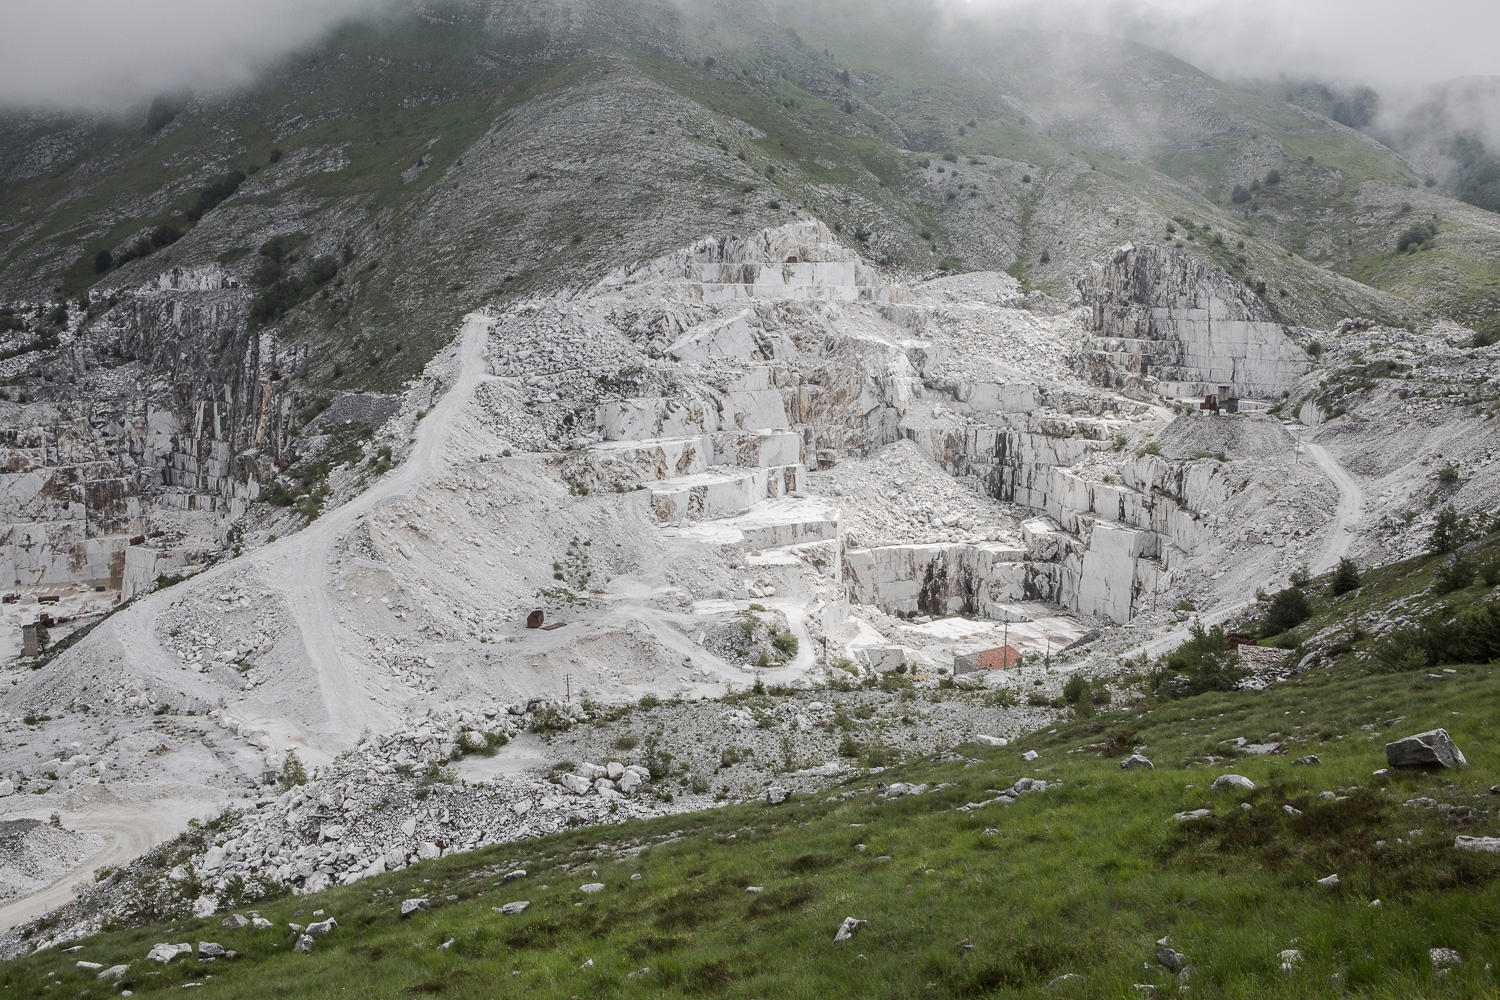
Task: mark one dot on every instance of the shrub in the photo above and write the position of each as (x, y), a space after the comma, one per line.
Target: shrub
(1076, 689)
(1490, 571)
(1287, 610)
(165, 235)
(103, 261)
(214, 192)
(292, 770)
(1203, 663)
(1450, 529)
(1448, 475)
(1455, 574)
(1345, 577)
(1239, 195)
(1417, 237)
(161, 113)
(785, 643)
(1470, 636)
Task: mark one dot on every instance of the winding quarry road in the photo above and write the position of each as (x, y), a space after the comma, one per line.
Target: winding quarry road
(1341, 531)
(1345, 516)
(298, 566)
(127, 832)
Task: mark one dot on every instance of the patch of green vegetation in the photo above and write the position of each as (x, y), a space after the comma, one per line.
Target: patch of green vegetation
(304, 486)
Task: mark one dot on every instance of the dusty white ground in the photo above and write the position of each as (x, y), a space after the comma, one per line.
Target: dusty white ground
(678, 465)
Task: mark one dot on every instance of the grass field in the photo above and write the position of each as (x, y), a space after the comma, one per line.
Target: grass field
(1080, 878)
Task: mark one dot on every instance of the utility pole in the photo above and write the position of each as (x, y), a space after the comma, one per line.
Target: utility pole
(568, 680)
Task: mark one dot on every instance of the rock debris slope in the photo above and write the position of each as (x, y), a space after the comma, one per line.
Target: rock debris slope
(767, 421)
(753, 459)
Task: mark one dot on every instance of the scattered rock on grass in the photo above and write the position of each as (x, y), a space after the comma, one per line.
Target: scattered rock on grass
(1135, 761)
(164, 953)
(1434, 748)
(1170, 959)
(847, 928)
(1233, 781)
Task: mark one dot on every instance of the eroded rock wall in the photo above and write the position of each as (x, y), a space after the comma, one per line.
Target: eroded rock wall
(1163, 314)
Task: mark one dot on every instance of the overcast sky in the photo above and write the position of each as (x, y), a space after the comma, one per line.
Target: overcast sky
(1375, 41)
(102, 54)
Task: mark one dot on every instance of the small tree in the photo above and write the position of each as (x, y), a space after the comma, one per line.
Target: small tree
(1450, 529)
(292, 771)
(1288, 609)
(103, 261)
(1345, 577)
(1455, 574)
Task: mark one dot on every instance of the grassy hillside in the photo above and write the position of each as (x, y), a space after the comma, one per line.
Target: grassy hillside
(1080, 878)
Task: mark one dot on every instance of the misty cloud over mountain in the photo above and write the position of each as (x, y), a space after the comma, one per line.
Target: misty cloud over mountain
(104, 55)
(101, 55)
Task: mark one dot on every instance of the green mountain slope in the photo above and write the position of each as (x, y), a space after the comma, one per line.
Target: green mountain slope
(451, 156)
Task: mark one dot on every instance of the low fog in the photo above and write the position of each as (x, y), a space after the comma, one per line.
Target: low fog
(103, 55)
(106, 55)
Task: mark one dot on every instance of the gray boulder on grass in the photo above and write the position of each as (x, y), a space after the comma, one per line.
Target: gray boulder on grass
(1434, 748)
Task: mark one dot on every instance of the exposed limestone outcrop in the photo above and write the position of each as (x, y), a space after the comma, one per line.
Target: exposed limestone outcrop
(165, 412)
(1164, 315)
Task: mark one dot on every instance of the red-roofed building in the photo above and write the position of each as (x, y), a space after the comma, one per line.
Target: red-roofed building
(998, 658)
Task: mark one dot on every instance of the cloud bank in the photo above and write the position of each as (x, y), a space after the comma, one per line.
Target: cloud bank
(109, 54)
(102, 55)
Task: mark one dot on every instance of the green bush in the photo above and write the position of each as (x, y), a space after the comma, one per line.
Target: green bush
(1287, 610)
(1345, 577)
(1455, 574)
(785, 643)
(1417, 237)
(214, 192)
(165, 235)
(1076, 689)
(292, 770)
(1450, 529)
(1204, 663)
(1469, 636)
